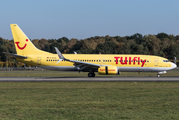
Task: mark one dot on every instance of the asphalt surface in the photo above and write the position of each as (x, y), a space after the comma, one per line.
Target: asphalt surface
(87, 79)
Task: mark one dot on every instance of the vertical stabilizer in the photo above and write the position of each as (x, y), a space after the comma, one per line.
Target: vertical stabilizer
(22, 43)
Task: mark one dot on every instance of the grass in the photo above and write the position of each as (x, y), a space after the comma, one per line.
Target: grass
(47, 73)
(89, 100)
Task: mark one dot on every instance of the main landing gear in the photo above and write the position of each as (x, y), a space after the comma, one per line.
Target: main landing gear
(91, 74)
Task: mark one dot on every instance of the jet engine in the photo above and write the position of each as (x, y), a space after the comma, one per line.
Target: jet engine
(108, 70)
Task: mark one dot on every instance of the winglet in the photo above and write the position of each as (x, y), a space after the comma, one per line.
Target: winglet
(75, 52)
(59, 55)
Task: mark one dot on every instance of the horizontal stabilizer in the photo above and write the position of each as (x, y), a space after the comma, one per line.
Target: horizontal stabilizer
(15, 55)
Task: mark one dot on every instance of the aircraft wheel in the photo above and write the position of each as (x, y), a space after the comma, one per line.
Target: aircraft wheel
(158, 75)
(91, 75)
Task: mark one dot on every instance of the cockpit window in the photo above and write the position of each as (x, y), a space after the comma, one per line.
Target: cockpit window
(165, 60)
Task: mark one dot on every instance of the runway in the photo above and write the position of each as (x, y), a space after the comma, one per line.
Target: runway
(87, 79)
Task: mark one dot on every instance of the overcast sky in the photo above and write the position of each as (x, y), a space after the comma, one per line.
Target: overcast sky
(88, 18)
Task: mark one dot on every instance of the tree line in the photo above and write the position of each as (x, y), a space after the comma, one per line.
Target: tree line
(162, 44)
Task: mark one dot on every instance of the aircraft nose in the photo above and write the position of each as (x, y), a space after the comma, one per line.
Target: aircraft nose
(173, 65)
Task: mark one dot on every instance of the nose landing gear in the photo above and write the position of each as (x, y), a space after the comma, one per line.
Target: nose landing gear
(158, 75)
(162, 72)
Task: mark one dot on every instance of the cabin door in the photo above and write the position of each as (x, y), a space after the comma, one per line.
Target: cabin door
(38, 60)
(156, 62)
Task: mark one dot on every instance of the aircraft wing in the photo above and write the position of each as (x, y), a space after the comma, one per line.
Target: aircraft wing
(15, 55)
(84, 65)
(79, 64)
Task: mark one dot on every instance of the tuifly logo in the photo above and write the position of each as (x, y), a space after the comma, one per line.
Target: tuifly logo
(21, 48)
(135, 60)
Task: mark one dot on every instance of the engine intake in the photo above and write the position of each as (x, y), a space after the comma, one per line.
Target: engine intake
(108, 70)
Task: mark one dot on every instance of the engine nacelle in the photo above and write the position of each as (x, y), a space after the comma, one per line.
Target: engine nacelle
(108, 70)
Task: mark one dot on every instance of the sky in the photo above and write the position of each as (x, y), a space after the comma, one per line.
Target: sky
(80, 19)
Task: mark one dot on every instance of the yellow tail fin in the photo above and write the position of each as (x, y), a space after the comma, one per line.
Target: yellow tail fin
(22, 43)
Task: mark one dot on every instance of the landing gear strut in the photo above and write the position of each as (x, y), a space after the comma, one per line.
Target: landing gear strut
(91, 74)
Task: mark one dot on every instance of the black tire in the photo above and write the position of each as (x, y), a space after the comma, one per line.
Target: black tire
(91, 74)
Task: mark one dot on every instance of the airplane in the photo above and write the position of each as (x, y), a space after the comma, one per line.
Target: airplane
(104, 64)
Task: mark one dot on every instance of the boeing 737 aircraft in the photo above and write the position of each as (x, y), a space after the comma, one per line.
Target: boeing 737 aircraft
(106, 64)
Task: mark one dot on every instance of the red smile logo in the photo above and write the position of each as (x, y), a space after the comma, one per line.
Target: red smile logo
(21, 48)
